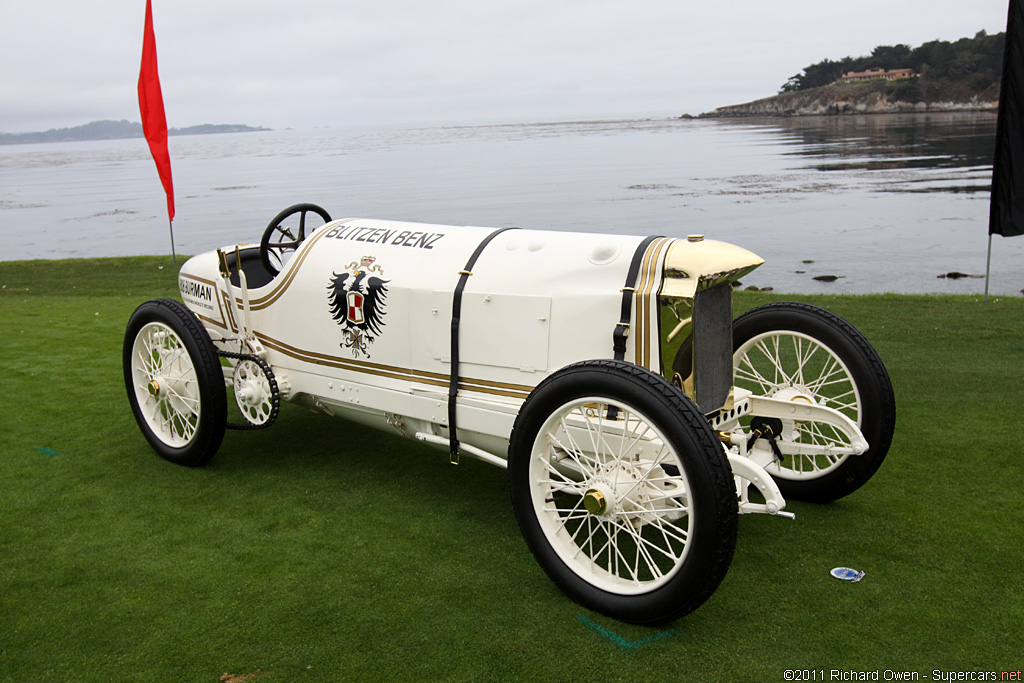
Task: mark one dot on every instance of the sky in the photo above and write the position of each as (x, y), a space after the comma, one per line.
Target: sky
(341, 63)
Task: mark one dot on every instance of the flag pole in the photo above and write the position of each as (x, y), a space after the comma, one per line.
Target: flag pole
(988, 266)
(174, 257)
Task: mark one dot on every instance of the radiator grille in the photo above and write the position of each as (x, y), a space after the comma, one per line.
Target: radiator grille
(712, 347)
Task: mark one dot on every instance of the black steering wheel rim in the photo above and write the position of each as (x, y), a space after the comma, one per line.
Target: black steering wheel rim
(278, 248)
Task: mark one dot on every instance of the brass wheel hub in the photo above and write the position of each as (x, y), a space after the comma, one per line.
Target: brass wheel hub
(595, 502)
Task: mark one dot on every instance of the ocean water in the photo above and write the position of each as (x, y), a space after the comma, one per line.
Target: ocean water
(883, 203)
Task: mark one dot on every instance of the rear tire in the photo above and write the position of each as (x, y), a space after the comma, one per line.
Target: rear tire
(174, 382)
(622, 491)
(793, 348)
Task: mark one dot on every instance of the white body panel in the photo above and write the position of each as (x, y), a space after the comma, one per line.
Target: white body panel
(535, 302)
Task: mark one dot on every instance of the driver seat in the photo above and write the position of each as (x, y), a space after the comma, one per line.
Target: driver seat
(255, 274)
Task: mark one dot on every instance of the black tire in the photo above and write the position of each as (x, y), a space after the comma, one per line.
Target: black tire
(693, 464)
(174, 382)
(278, 239)
(856, 383)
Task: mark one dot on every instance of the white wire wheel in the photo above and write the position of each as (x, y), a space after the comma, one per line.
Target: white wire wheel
(805, 354)
(611, 495)
(174, 382)
(622, 491)
(798, 367)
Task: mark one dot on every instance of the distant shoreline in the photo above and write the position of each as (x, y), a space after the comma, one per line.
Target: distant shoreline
(116, 130)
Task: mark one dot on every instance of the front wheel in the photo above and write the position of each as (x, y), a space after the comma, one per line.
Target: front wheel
(622, 491)
(174, 381)
(802, 353)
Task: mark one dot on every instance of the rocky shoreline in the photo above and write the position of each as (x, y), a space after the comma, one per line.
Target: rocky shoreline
(835, 100)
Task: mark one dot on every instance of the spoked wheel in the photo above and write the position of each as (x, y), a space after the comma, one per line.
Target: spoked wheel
(805, 354)
(622, 491)
(174, 381)
(286, 232)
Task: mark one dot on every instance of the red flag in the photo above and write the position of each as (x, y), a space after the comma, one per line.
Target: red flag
(151, 106)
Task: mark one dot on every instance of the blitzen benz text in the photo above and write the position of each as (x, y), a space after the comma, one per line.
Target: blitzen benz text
(399, 238)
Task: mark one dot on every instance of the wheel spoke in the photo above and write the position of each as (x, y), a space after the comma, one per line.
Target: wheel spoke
(568, 516)
(647, 429)
(803, 358)
(573, 450)
(832, 368)
(773, 357)
(149, 356)
(554, 470)
(682, 537)
(659, 458)
(192, 403)
(644, 547)
(589, 538)
(742, 374)
(838, 398)
(647, 543)
(596, 435)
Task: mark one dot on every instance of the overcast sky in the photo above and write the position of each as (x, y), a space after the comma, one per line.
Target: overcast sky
(303, 63)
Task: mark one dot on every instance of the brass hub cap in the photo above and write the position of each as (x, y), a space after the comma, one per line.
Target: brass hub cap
(595, 502)
(154, 388)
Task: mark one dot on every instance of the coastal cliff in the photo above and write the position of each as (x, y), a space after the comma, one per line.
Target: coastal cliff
(875, 96)
(871, 97)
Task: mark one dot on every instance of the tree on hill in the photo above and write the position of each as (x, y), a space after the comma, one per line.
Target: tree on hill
(971, 64)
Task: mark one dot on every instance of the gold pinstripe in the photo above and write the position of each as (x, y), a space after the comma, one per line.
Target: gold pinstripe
(286, 281)
(520, 391)
(646, 285)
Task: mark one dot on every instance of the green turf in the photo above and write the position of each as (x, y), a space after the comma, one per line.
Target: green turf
(322, 551)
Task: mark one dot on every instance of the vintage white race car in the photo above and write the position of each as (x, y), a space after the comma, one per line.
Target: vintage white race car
(635, 417)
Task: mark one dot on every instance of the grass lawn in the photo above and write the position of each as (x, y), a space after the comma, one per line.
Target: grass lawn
(322, 551)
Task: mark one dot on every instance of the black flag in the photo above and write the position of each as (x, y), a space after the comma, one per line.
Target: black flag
(1006, 211)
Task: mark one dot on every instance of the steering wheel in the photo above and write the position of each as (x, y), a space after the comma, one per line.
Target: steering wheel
(283, 236)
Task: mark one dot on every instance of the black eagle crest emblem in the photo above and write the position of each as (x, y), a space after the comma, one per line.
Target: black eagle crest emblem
(357, 299)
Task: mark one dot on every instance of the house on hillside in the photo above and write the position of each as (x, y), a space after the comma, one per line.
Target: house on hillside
(871, 74)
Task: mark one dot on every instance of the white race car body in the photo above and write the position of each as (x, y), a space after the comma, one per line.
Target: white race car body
(635, 416)
(535, 302)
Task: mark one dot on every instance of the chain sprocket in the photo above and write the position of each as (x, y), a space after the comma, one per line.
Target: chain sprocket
(255, 417)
